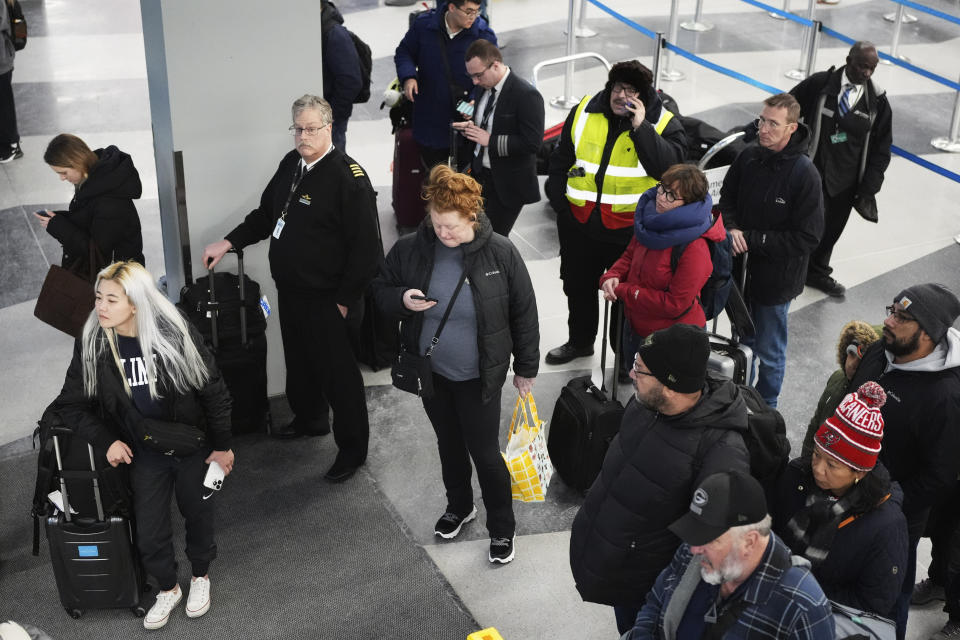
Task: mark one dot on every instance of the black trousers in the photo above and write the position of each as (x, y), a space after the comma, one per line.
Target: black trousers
(9, 134)
(467, 428)
(836, 212)
(431, 157)
(502, 216)
(944, 530)
(156, 479)
(583, 260)
(321, 365)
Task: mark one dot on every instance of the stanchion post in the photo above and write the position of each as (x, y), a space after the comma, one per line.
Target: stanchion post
(951, 143)
(583, 31)
(777, 16)
(895, 42)
(798, 73)
(566, 100)
(669, 73)
(899, 16)
(657, 58)
(697, 24)
(814, 46)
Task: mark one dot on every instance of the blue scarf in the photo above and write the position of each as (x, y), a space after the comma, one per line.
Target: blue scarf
(684, 224)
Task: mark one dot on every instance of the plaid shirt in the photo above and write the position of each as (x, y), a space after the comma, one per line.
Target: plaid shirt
(782, 603)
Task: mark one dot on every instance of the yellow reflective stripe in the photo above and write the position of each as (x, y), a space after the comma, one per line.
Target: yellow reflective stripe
(580, 121)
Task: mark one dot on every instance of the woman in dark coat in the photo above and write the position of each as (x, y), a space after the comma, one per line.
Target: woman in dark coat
(840, 510)
(105, 185)
(111, 387)
(493, 316)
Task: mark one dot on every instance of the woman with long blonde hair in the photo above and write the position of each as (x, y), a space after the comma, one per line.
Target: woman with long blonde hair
(138, 359)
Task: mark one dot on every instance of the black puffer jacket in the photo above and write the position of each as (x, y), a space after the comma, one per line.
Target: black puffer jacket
(619, 542)
(109, 416)
(865, 566)
(775, 199)
(102, 209)
(503, 297)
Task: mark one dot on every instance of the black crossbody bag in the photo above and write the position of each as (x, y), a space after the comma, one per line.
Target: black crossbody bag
(413, 372)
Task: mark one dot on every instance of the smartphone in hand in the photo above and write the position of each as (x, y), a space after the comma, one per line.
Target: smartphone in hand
(424, 298)
(41, 212)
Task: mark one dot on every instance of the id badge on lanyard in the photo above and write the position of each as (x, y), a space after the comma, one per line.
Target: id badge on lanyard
(297, 177)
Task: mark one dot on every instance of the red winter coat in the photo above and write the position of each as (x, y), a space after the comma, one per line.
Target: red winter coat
(654, 296)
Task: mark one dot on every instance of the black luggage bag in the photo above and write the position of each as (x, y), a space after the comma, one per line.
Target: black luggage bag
(237, 339)
(584, 421)
(729, 358)
(94, 558)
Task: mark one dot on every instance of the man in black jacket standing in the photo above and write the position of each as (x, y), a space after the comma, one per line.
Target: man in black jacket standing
(342, 78)
(506, 132)
(772, 205)
(851, 130)
(917, 362)
(614, 146)
(320, 213)
(680, 428)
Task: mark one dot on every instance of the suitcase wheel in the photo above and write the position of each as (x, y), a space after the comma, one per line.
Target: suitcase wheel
(138, 611)
(76, 614)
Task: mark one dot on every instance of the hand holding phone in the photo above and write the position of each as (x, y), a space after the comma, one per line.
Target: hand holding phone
(42, 212)
(424, 298)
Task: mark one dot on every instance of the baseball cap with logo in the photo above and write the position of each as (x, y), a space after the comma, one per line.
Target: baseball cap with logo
(722, 501)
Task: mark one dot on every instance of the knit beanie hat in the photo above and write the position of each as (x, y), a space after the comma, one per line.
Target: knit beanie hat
(853, 433)
(933, 305)
(677, 357)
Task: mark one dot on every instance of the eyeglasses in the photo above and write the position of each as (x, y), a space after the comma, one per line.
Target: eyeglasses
(309, 132)
(762, 122)
(899, 316)
(470, 13)
(637, 371)
(476, 76)
(627, 90)
(668, 195)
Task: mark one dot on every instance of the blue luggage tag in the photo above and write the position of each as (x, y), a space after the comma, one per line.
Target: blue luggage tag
(264, 306)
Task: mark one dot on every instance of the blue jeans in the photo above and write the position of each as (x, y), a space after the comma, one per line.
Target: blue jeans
(769, 349)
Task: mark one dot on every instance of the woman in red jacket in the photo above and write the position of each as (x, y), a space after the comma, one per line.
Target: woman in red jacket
(673, 216)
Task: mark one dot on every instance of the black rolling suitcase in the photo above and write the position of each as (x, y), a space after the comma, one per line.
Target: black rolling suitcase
(584, 421)
(729, 358)
(94, 559)
(237, 339)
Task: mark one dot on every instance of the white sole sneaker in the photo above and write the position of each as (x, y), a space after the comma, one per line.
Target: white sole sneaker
(456, 532)
(192, 610)
(156, 623)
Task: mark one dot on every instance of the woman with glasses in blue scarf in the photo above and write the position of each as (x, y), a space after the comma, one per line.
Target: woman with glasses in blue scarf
(657, 287)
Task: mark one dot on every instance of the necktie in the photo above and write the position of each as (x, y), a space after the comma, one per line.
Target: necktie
(843, 107)
(484, 121)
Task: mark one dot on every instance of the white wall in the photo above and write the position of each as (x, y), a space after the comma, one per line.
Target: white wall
(222, 76)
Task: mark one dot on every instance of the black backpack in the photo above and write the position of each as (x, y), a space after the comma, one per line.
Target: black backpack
(716, 290)
(366, 67)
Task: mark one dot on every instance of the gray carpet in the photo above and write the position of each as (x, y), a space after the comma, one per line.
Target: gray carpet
(299, 558)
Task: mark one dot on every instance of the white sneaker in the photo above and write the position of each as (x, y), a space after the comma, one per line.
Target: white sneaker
(159, 613)
(198, 602)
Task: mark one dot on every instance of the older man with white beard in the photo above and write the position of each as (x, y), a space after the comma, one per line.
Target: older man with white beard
(732, 577)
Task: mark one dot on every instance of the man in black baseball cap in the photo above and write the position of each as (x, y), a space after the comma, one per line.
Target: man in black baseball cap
(681, 428)
(732, 575)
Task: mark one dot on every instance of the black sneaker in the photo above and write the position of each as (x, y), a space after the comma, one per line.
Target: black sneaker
(828, 285)
(567, 352)
(501, 550)
(926, 591)
(15, 154)
(949, 631)
(449, 524)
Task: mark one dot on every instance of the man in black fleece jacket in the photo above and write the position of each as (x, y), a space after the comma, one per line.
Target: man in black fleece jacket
(772, 205)
(320, 213)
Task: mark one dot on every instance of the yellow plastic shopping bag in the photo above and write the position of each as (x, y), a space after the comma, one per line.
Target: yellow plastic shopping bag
(526, 455)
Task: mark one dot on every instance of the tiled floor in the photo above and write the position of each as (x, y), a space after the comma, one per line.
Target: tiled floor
(84, 72)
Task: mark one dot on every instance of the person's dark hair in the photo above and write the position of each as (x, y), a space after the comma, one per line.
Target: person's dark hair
(785, 101)
(67, 150)
(687, 181)
(633, 73)
(486, 51)
(448, 190)
(459, 3)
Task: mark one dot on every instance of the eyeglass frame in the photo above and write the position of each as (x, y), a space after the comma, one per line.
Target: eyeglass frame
(630, 93)
(760, 122)
(470, 13)
(479, 74)
(898, 315)
(302, 131)
(637, 371)
(668, 195)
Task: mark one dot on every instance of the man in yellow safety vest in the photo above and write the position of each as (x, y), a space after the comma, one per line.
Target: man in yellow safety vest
(614, 146)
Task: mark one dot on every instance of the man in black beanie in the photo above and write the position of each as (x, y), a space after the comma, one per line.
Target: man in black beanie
(681, 428)
(614, 146)
(917, 362)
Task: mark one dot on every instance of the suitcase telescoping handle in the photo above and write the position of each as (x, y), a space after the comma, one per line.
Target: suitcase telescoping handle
(63, 483)
(599, 377)
(243, 301)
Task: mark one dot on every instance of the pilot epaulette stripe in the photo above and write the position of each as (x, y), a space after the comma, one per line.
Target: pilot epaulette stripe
(357, 170)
